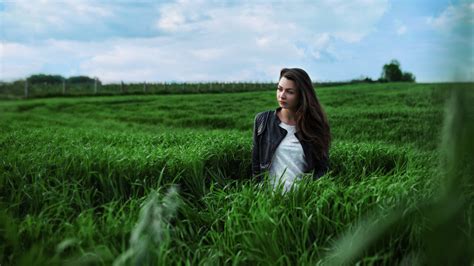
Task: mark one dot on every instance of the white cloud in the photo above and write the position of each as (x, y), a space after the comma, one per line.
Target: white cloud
(28, 62)
(455, 25)
(401, 28)
(194, 40)
(171, 19)
(31, 21)
(453, 18)
(263, 41)
(45, 17)
(208, 54)
(49, 56)
(349, 21)
(321, 41)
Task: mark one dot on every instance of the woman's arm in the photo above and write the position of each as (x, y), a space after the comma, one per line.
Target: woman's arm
(255, 153)
(322, 167)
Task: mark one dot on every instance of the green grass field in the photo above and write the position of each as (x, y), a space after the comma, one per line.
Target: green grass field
(85, 180)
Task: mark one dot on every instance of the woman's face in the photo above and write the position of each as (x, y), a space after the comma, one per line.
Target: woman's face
(287, 94)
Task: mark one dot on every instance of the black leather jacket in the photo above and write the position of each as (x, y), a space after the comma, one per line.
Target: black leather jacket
(267, 135)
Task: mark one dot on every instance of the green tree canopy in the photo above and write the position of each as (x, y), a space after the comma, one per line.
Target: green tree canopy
(81, 79)
(392, 72)
(407, 76)
(42, 78)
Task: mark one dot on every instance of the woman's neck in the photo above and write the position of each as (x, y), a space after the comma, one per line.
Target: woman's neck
(287, 116)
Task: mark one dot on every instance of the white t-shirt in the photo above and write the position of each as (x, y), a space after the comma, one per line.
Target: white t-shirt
(288, 162)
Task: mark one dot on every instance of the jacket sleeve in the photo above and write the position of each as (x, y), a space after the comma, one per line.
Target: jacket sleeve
(321, 168)
(255, 152)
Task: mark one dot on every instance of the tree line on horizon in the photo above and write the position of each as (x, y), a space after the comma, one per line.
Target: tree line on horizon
(58, 79)
(391, 72)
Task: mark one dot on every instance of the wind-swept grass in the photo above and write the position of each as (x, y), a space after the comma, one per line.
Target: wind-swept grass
(75, 173)
(441, 225)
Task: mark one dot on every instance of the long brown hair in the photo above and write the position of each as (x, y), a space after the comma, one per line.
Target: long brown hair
(311, 120)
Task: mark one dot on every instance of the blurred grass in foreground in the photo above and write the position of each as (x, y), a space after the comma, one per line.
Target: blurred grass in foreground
(75, 172)
(446, 221)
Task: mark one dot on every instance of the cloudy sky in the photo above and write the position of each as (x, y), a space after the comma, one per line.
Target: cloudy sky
(206, 40)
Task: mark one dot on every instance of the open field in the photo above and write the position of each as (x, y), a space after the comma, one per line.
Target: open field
(75, 172)
(21, 89)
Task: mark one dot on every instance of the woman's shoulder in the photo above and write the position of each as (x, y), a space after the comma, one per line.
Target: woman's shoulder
(261, 119)
(263, 114)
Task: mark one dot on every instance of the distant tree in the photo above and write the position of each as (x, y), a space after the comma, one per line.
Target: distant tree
(408, 77)
(42, 78)
(393, 72)
(362, 79)
(81, 79)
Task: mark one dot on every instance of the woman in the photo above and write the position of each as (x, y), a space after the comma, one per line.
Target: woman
(295, 138)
